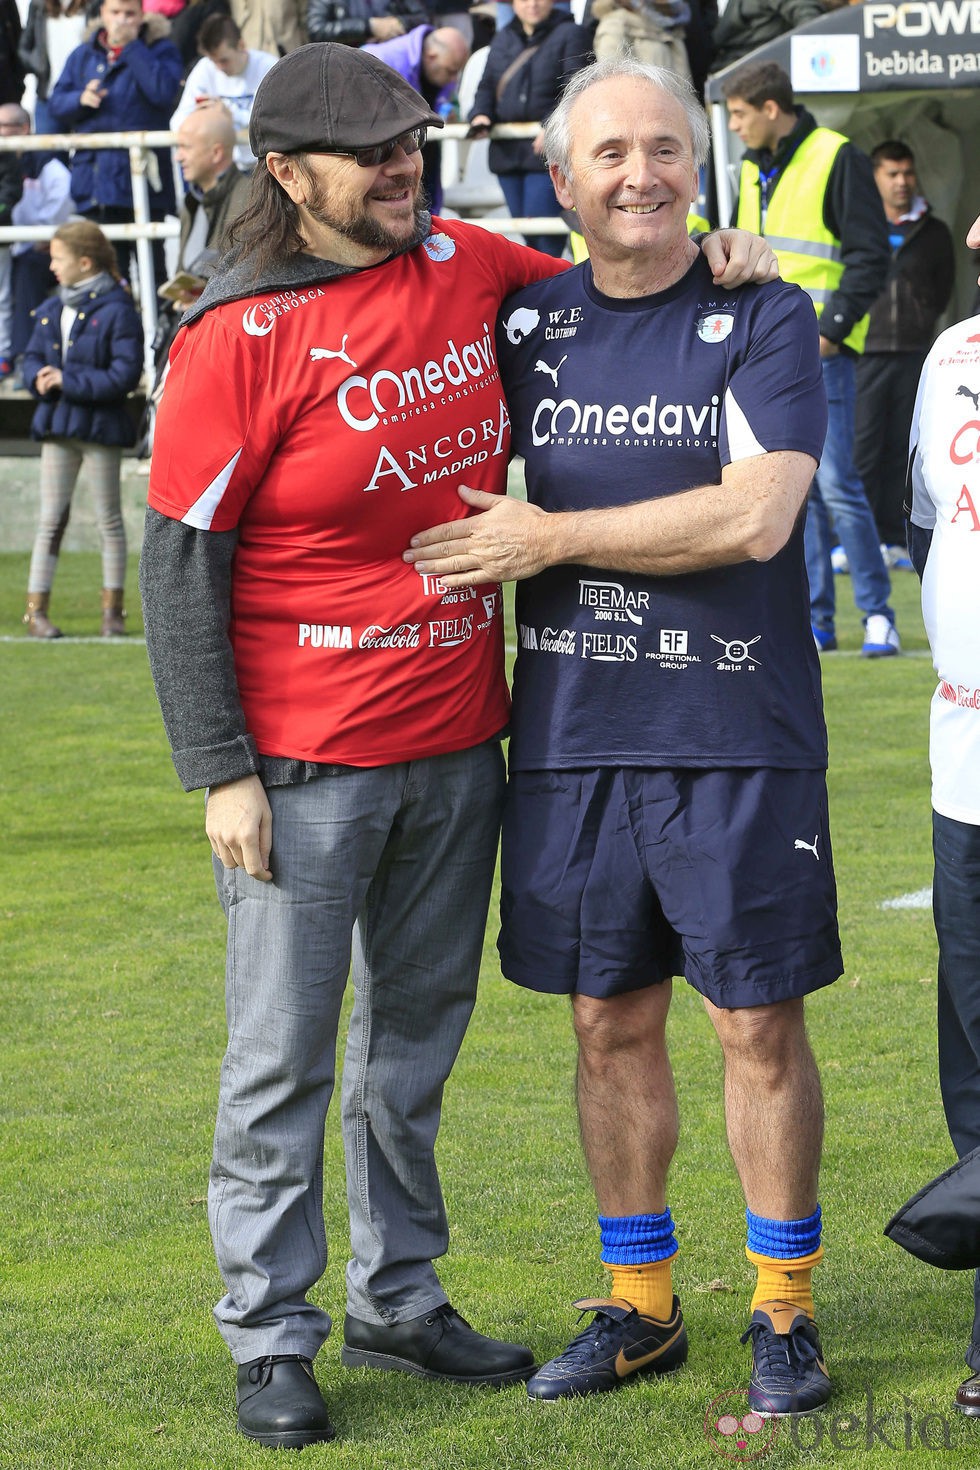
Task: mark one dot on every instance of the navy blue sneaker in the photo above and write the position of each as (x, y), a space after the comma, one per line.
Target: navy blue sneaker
(824, 638)
(618, 1344)
(788, 1373)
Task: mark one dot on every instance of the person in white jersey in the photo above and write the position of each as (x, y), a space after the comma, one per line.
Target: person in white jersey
(944, 544)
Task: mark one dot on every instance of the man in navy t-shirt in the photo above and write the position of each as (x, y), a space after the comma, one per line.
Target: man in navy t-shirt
(667, 811)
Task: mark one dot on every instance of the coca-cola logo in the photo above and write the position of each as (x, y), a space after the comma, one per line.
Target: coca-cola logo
(557, 640)
(403, 635)
(963, 695)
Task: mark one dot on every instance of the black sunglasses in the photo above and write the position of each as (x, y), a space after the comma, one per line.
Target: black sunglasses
(409, 143)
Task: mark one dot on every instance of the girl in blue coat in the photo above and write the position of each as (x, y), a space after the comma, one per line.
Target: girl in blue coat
(84, 357)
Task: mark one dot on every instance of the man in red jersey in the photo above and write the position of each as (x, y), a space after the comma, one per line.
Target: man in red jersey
(342, 370)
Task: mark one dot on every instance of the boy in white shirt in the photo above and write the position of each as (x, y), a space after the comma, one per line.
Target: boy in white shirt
(227, 72)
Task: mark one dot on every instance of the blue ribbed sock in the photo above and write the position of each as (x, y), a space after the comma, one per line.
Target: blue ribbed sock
(636, 1240)
(783, 1239)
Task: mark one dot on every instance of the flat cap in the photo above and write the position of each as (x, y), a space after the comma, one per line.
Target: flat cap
(335, 97)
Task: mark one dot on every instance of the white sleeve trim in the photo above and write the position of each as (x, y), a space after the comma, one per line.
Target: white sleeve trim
(742, 443)
(202, 512)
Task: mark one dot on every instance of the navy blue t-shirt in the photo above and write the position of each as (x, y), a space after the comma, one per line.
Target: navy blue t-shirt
(615, 401)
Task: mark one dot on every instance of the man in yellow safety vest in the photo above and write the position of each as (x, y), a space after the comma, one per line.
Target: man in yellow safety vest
(812, 194)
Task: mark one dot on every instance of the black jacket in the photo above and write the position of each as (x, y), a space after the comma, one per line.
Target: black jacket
(349, 21)
(11, 184)
(917, 291)
(33, 49)
(185, 27)
(941, 1223)
(11, 66)
(560, 49)
(746, 24)
(853, 212)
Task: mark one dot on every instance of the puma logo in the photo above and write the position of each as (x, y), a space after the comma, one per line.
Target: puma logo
(808, 846)
(542, 367)
(317, 354)
(964, 392)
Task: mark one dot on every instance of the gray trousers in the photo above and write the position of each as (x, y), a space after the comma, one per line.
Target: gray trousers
(400, 858)
(61, 461)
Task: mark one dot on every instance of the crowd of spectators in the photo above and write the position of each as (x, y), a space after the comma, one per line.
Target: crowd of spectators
(529, 63)
(95, 66)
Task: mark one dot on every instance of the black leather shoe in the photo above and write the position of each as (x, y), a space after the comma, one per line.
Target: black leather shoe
(442, 1344)
(279, 1404)
(967, 1398)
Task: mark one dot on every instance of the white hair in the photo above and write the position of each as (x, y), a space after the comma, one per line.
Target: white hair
(557, 141)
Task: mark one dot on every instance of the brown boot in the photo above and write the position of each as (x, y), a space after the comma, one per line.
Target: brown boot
(39, 625)
(113, 613)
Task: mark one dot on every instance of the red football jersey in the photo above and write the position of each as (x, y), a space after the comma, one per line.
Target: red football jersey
(329, 424)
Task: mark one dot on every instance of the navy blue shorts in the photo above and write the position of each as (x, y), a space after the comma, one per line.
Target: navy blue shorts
(615, 879)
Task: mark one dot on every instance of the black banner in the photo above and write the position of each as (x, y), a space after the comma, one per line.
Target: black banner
(877, 47)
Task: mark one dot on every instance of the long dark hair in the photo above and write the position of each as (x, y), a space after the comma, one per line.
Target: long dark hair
(268, 232)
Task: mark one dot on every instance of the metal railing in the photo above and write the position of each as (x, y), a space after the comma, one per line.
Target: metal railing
(144, 230)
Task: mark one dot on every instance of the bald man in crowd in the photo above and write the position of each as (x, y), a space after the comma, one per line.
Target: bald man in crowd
(217, 190)
(431, 60)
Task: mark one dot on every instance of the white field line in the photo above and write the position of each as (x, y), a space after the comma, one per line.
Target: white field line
(921, 899)
(130, 640)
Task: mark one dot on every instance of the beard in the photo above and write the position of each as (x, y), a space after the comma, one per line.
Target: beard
(361, 228)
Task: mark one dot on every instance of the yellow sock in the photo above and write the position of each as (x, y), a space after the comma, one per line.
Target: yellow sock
(785, 1281)
(648, 1287)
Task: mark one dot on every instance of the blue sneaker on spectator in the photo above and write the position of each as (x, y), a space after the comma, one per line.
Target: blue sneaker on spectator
(881, 638)
(897, 559)
(824, 638)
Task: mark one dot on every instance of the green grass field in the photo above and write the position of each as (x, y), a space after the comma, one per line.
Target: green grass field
(109, 1050)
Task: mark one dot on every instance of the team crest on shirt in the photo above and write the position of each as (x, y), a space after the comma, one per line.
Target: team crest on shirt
(715, 326)
(257, 322)
(439, 247)
(259, 319)
(521, 323)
